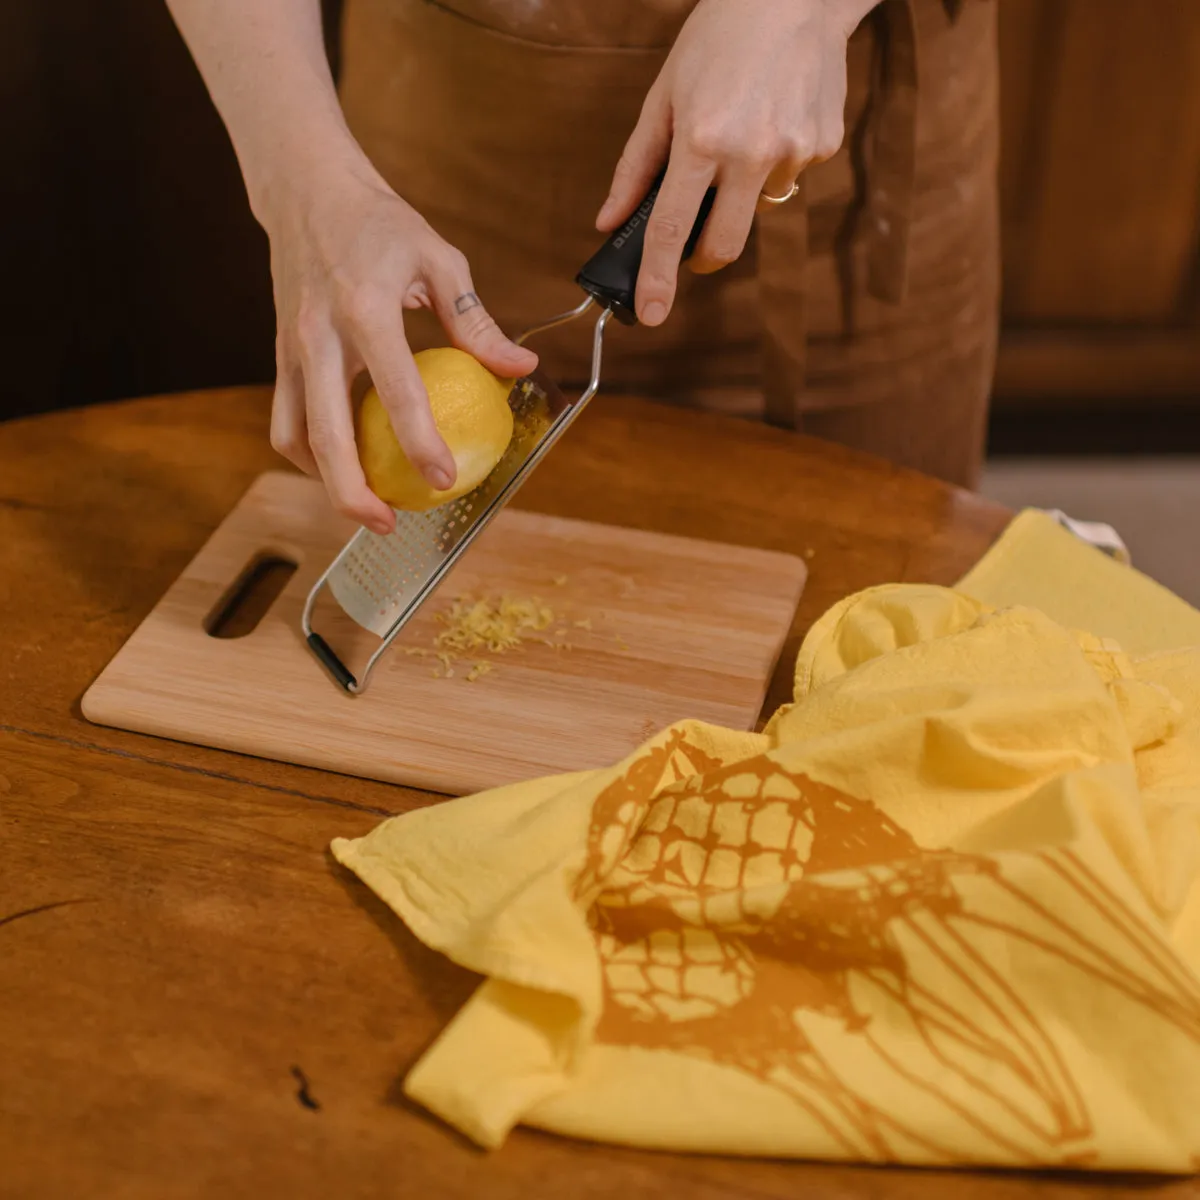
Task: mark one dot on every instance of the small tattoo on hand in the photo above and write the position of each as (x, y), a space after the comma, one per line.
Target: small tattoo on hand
(466, 302)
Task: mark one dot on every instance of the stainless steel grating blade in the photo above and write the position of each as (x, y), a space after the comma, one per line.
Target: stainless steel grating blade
(378, 577)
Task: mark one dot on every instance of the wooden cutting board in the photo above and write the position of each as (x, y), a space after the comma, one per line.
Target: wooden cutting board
(648, 629)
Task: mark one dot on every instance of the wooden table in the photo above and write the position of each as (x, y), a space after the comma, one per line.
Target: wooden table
(194, 999)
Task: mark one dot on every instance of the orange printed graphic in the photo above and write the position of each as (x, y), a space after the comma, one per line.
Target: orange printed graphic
(738, 909)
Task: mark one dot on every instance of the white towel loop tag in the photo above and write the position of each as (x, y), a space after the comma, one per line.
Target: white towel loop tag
(1104, 537)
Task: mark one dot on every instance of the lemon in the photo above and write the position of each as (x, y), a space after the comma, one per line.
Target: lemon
(470, 407)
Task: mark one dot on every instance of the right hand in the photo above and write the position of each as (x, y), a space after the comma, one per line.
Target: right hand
(346, 259)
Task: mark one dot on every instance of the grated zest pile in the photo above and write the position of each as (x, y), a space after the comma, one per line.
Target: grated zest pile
(495, 625)
(472, 626)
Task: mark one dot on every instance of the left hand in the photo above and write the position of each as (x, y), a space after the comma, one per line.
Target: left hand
(751, 93)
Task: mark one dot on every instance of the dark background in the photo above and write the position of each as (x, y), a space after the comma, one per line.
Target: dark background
(131, 264)
(130, 259)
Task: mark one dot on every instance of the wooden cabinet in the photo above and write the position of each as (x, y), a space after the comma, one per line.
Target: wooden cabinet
(1100, 181)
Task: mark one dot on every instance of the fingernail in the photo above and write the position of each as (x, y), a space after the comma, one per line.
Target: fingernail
(605, 209)
(380, 527)
(654, 313)
(440, 478)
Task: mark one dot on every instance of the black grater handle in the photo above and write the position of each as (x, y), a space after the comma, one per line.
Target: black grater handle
(611, 274)
(334, 665)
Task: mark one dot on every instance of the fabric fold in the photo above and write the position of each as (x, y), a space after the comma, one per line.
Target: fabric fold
(944, 910)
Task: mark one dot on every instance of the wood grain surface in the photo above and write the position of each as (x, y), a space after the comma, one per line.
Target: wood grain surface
(194, 1000)
(647, 630)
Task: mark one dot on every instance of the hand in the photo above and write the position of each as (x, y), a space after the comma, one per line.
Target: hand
(751, 93)
(346, 257)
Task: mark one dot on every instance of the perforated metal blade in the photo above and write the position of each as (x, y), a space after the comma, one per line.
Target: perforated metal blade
(380, 581)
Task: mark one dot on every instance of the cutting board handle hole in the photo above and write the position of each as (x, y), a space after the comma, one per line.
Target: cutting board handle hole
(244, 605)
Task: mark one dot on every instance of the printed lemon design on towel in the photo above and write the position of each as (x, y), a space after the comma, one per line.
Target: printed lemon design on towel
(719, 861)
(470, 406)
(751, 916)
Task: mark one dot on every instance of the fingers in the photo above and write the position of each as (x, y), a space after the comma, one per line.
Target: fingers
(469, 324)
(819, 143)
(728, 225)
(687, 179)
(289, 427)
(745, 181)
(639, 164)
(379, 336)
(331, 429)
(781, 178)
(783, 175)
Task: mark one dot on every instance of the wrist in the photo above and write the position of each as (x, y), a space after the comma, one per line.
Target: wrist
(820, 18)
(292, 172)
(849, 14)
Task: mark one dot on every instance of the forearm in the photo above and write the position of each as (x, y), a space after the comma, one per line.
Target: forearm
(853, 12)
(264, 64)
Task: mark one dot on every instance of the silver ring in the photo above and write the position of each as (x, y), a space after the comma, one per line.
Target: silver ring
(780, 199)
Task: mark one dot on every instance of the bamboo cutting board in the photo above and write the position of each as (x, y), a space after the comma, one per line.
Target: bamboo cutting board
(648, 629)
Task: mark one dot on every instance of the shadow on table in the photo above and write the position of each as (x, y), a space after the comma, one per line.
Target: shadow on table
(442, 984)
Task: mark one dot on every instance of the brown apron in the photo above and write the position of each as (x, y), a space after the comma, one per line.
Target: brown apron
(864, 311)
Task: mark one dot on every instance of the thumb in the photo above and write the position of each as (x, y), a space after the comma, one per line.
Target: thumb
(639, 164)
(469, 324)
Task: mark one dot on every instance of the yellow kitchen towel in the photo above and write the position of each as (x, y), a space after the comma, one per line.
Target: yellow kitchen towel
(943, 910)
(1039, 563)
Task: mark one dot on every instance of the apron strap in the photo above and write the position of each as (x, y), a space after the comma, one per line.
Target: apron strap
(893, 144)
(893, 153)
(781, 240)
